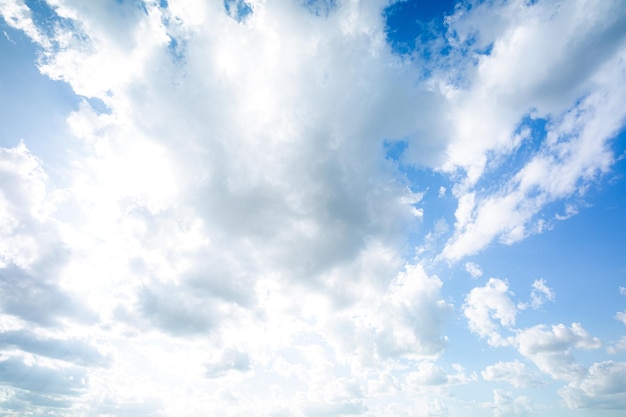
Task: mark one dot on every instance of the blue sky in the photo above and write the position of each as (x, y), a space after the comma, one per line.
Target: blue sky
(313, 208)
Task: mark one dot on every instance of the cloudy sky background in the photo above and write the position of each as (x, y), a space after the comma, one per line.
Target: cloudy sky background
(312, 208)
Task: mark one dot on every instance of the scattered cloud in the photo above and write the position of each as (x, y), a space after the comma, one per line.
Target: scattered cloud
(505, 405)
(550, 349)
(473, 269)
(514, 373)
(603, 387)
(489, 307)
(540, 293)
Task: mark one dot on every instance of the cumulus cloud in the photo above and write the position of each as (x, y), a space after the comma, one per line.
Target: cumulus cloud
(489, 307)
(515, 373)
(604, 386)
(550, 349)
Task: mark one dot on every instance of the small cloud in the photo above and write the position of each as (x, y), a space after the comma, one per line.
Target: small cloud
(540, 293)
(617, 347)
(622, 290)
(6, 35)
(442, 191)
(621, 316)
(515, 373)
(570, 211)
(473, 269)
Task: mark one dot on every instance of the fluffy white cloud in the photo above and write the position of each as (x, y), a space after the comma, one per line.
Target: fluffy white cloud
(489, 307)
(603, 386)
(550, 349)
(515, 373)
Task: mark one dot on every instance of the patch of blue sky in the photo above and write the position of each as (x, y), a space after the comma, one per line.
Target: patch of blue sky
(49, 22)
(176, 49)
(413, 21)
(238, 9)
(34, 108)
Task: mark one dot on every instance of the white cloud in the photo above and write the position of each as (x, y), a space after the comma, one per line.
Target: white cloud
(576, 149)
(412, 316)
(540, 293)
(515, 373)
(617, 347)
(473, 269)
(489, 307)
(230, 235)
(505, 405)
(621, 316)
(550, 349)
(602, 387)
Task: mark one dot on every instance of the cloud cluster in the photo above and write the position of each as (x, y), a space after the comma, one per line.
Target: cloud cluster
(549, 348)
(517, 88)
(231, 232)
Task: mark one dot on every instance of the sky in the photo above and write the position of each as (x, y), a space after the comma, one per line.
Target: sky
(313, 208)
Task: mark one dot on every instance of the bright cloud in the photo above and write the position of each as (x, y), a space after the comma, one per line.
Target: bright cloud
(515, 373)
(247, 208)
(489, 307)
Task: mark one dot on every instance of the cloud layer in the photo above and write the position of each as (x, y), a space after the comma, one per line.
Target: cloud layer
(238, 225)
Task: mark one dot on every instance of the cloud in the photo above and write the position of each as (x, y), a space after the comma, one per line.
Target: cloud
(429, 374)
(42, 381)
(621, 316)
(603, 387)
(72, 351)
(515, 373)
(230, 360)
(617, 347)
(550, 349)
(229, 206)
(473, 269)
(487, 306)
(539, 294)
(505, 405)
(582, 116)
(412, 316)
